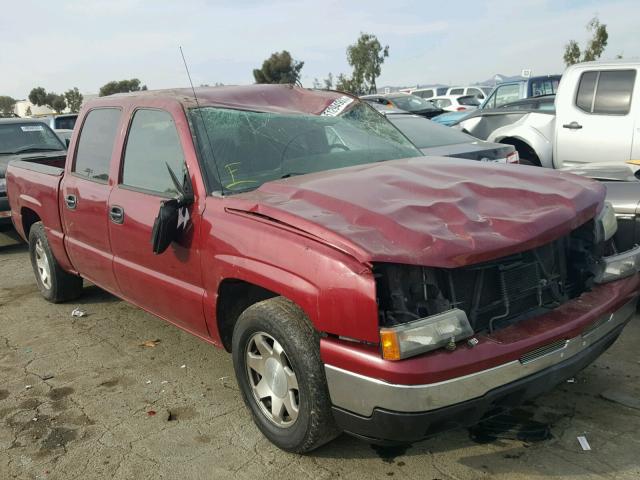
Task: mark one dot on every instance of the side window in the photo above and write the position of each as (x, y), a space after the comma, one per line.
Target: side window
(606, 92)
(152, 145)
(613, 93)
(506, 94)
(475, 91)
(586, 89)
(456, 91)
(95, 146)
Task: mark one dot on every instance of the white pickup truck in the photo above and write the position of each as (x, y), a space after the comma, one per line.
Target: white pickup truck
(596, 119)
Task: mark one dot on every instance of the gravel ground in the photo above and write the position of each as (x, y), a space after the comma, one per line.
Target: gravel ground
(81, 398)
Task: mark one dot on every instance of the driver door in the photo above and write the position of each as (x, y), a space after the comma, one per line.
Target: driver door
(170, 284)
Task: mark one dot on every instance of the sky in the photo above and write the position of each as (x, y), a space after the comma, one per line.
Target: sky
(86, 43)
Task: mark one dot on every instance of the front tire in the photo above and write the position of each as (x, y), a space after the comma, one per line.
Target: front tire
(54, 283)
(276, 358)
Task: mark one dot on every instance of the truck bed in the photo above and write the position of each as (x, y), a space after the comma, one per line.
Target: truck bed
(32, 189)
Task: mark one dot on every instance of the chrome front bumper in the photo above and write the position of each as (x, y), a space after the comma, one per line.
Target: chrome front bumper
(361, 395)
(619, 266)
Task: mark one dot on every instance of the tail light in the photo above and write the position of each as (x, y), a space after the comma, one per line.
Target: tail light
(513, 157)
(461, 109)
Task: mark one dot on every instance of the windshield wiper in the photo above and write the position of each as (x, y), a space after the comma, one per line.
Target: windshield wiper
(37, 149)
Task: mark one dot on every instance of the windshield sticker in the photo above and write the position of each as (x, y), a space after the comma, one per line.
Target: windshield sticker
(337, 106)
(32, 128)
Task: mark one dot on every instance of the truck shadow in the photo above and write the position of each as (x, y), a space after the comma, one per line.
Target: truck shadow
(92, 294)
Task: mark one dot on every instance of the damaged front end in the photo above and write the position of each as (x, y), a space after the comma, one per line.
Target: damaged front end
(425, 308)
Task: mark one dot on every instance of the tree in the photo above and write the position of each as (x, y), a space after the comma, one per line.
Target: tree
(38, 96)
(366, 56)
(74, 99)
(328, 82)
(58, 103)
(595, 47)
(7, 105)
(280, 67)
(346, 84)
(121, 86)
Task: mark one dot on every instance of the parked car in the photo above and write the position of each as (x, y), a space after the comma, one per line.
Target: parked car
(594, 120)
(62, 125)
(479, 91)
(428, 92)
(456, 103)
(22, 138)
(436, 140)
(544, 103)
(508, 92)
(359, 286)
(65, 121)
(623, 192)
(406, 102)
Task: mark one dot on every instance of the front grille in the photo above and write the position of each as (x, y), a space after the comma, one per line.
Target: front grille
(495, 293)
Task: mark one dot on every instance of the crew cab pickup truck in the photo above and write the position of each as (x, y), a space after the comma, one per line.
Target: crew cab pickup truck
(596, 120)
(359, 285)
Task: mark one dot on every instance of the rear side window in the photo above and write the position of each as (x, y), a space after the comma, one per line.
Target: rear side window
(456, 91)
(606, 92)
(95, 146)
(153, 145)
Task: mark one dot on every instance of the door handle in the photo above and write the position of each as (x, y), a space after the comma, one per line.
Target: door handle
(572, 126)
(71, 201)
(116, 214)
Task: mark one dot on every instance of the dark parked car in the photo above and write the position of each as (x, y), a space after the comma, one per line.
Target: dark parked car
(437, 140)
(406, 102)
(509, 92)
(25, 139)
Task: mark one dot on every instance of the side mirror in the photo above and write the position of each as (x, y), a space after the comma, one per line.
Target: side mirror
(173, 216)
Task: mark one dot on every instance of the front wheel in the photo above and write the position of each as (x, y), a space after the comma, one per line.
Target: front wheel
(276, 358)
(54, 283)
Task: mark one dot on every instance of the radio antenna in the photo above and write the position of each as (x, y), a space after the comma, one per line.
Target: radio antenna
(202, 120)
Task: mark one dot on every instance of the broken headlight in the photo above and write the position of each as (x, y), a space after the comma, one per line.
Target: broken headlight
(420, 336)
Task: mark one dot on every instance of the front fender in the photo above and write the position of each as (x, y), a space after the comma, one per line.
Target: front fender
(335, 291)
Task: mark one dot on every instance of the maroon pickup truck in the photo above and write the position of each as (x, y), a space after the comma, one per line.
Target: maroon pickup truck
(359, 285)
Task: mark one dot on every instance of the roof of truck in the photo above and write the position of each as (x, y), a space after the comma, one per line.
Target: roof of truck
(263, 98)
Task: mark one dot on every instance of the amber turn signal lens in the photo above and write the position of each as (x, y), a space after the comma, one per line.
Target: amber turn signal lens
(390, 345)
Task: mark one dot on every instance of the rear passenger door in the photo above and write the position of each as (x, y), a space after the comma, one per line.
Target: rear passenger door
(170, 284)
(85, 191)
(595, 122)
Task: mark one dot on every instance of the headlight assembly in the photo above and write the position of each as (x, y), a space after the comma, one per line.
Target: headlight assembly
(606, 223)
(413, 338)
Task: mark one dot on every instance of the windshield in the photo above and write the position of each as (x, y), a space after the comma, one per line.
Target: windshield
(411, 103)
(27, 137)
(426, 134)
(251, 148)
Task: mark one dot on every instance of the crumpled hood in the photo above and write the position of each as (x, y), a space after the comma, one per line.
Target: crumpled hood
(432, 211)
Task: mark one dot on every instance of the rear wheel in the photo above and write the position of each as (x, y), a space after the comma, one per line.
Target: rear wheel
(54, 283)
(276, 357)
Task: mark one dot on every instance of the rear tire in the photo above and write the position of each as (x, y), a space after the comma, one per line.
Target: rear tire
(276, 358)
(531, 163)
(54, 283)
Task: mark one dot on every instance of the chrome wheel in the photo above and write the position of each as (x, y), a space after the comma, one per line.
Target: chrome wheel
(42, 264)
(272, 380)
